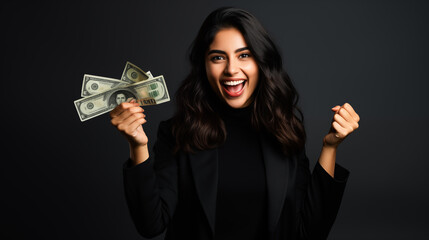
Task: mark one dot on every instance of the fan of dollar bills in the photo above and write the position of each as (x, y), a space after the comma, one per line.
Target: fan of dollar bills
(102, 94)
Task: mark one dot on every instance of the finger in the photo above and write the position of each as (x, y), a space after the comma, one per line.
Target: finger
(340, 132)
(345, 114)
(120, 108)
(349, 118)
(117, 110)
(336, 108)
(135, 125)
(344, 124)
(131, 111)
(135, 121)
(351, 111)
(125, 114)
(124, 126)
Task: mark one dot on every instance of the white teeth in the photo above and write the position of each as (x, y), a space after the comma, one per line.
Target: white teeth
(233, 83)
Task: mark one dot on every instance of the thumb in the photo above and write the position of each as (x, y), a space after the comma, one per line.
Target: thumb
(336, 108)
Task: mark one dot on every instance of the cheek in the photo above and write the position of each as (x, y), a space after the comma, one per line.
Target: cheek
(250, 67)
(255, 70)
(253, 74)
(213, 75)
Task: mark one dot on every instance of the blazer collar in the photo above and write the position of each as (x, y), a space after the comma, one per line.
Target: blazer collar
(278, 172)
(204, 165)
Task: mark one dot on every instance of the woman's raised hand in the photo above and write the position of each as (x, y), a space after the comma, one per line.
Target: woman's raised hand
(344, 122)
(128, 118)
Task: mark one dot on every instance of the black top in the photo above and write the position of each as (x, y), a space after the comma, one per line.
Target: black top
(241, 206)
(177, 192)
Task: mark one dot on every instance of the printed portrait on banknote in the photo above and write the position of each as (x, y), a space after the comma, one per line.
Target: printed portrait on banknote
(120, 96)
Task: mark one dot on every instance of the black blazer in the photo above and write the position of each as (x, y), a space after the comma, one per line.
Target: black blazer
(179, 192)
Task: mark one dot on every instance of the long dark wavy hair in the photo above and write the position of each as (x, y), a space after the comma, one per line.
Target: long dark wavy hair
(197, 124)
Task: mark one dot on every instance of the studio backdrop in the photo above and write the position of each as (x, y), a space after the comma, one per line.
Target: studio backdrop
(62, 178)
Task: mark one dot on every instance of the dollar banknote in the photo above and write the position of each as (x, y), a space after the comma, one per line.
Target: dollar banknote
(133, 74)
(149, 74)
(95, 84)
(149, 92)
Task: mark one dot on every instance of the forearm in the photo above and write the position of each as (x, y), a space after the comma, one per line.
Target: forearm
(321, 202)
(327, 159)
(344, 122)
(138, 154)
(143, 197)
(319, 195)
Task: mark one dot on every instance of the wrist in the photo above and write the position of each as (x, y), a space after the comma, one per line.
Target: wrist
(136, 145)
(139, 153)
(329, 147)
(327, 159)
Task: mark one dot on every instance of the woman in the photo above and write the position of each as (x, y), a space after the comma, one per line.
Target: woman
(231, 163)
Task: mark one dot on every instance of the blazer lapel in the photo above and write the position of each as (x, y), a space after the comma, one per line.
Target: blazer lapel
(277, 173)
(204, 165)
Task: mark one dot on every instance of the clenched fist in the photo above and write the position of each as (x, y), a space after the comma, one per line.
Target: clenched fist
(128, 118)
(344, 122)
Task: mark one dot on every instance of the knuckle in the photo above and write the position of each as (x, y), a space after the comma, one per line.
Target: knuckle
(136, 109)
(121, 127)
(131, 110)
(356, 125)
(337, 117)
(137, 115)
(128, 131)
(113, 121)
(122, 106)
(133, 116)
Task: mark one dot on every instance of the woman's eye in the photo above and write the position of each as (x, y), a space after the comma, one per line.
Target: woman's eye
(217, 58)
(244, 55)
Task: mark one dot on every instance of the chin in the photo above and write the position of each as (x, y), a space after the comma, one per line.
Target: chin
(236, 103)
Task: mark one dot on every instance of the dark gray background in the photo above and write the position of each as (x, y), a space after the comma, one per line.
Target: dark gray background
(62, 179)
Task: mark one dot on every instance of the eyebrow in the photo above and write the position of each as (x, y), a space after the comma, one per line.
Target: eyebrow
(223, 52)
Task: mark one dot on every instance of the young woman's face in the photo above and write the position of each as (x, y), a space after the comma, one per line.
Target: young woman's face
(231, 69)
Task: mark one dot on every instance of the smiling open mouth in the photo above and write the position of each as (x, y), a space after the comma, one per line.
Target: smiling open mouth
(233, 88)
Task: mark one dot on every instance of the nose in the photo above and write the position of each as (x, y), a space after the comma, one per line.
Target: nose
(231, 68)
